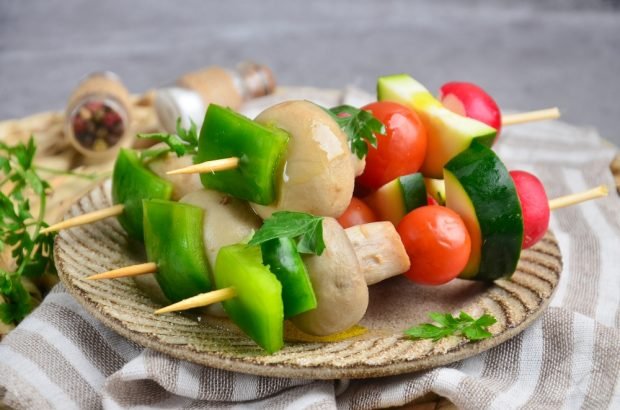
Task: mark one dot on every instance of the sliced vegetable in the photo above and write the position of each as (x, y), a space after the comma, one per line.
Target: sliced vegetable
(173, 240)
(479, 188)
(260, 150)
(285, 262)
(471, 101)
(437, 243)
(257, 308)
(436, 189)
(397, 198)
(400, 150)
(534, 204)
(132, 182)
(357, 213)
(448, 133)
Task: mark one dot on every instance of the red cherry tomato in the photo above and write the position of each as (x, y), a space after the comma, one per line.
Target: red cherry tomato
(400, 151)
(357, 213)
(471, 101)
(437, 242)
(534, 206)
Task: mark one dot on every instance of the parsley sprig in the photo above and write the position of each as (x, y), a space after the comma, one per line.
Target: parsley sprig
(448, 325)
(306, 228)
(184, 142)
(360, 127)
(19, 229)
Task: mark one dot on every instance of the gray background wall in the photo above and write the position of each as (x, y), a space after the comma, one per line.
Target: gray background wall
(528, 54)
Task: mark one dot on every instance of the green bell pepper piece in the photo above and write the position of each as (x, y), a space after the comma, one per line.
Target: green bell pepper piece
(174, 241)
(132, 182)
(284, 261)
(260, 150)
(257, 309)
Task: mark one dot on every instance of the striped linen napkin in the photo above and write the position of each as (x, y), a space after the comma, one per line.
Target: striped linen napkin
(62, 357)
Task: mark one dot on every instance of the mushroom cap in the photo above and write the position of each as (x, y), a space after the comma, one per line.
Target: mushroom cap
(183, 184)
(318, 173)
(338, 283)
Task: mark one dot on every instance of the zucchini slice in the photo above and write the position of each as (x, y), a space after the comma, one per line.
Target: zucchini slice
(448, 133)
(480, 190)
(398, 197)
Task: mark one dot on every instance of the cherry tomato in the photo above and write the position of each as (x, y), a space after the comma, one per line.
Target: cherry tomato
(437, 243)
(357, 213)
(400, 151)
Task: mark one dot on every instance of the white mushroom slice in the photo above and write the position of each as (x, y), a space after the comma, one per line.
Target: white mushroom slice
(227, 221)
(339, 285)
(183, 184)
(318, 173)
(379, 249)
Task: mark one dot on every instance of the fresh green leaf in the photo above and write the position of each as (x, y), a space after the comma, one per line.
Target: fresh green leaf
(306, 228)
(428, 331)
(486, 320)
(184, 142)
(448, 325)
(444, 319)
(475, 332)
(149, 155)
(19, 229)
(360, 127)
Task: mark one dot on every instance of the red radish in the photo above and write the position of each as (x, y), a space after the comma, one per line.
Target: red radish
(534, 205)
(471, 101)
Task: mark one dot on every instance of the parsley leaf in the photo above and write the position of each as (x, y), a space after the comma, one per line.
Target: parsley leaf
(184, 142)
(360, 127)
(448, 325)
(19, 229)
(308, 229)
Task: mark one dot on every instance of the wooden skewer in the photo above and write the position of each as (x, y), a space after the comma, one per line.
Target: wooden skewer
(531, 116)
(86, 218)
(203, 299)
(134, 270)
(208, 166)
(573, 199)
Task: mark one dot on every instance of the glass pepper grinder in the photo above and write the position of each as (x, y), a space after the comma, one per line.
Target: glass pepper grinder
(194, 91)
(98, 115)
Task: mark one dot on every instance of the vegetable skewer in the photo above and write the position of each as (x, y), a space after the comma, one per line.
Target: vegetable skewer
(116, 210)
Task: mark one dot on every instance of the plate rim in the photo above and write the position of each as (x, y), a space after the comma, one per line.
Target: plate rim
(461, 351)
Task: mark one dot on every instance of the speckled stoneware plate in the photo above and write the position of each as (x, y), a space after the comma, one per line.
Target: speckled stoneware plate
(395, 305)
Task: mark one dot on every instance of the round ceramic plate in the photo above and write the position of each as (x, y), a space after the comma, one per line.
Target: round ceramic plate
(380, 350)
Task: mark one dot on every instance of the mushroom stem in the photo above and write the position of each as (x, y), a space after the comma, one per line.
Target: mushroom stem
(208, 166)
(379, 251)
(86, 218)
(574, 199)
(134, 270)
(531, 116)
(201, 300)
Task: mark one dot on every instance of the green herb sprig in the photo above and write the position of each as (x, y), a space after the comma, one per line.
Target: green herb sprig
(360, 127)
(19, 229)
(184, 142)
(448, 325)
(306, 228)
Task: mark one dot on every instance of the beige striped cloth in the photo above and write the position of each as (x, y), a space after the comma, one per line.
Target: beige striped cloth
(61, 357)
